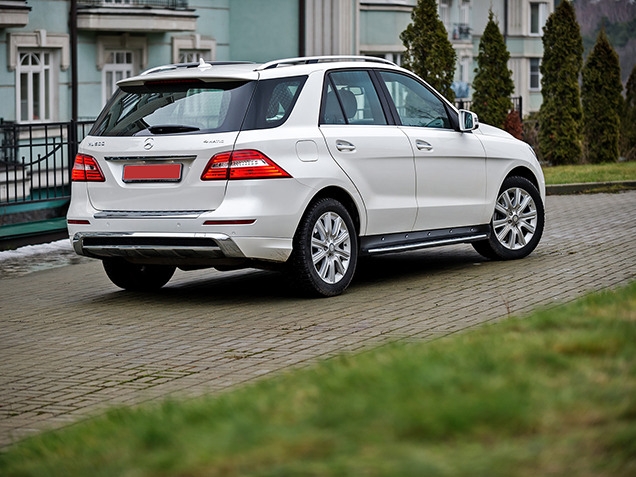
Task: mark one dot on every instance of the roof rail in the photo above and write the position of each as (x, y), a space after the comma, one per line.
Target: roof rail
(200, 63)
(307, 60)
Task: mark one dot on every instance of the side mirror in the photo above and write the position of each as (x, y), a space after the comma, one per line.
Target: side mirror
(468, 121)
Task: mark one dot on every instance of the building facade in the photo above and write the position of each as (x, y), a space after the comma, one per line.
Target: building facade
(61, 59)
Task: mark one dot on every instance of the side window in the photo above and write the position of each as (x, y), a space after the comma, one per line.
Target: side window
(273, 102)
(415, 104)
(351, 98)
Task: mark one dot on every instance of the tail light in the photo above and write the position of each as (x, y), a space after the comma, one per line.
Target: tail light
(86, 169)
(242, 164)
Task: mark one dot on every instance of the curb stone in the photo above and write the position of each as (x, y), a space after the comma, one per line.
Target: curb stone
(589, 187)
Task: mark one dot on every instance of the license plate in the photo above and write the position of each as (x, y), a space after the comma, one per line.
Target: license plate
(152, 172)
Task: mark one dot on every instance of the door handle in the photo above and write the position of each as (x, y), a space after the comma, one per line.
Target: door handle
(423, 145)
(345, 146)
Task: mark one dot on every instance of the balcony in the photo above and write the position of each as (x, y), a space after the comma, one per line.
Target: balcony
(135, 15)
(461, 32)
(14, 13)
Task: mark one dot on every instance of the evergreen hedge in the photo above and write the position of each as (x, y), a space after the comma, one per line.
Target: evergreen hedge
(628, 119)
(493, 83)
(560, 136)
(601, 95)
(429, 53)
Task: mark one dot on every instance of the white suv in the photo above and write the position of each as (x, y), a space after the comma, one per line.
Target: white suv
(301, 164)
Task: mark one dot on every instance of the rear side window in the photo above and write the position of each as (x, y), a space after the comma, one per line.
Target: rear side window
(273, 102)
(175, 107)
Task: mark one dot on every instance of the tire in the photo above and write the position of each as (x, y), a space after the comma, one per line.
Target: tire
(325, 250)
(517, 221)
(136, 277)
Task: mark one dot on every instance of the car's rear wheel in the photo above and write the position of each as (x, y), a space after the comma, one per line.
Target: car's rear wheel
(137, 277)
(325, 250)
(517, 222)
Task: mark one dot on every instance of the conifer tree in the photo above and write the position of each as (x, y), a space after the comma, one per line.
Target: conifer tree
(560, 114)
(601, 96)
(493, 83)
(429, 53)
(628, 119)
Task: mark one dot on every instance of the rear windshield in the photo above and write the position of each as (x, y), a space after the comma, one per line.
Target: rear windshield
(175, 107)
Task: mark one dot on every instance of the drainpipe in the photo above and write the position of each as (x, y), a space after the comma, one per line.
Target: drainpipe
(73, 40)
(505, 32)
(301, 27)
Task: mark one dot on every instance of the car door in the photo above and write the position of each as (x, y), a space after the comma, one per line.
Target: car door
(376, 156)
(450, 165)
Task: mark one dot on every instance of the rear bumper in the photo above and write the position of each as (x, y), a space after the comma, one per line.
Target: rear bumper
(183, 250)
(148, 247)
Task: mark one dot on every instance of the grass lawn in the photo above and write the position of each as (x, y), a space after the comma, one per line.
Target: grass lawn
(620, 171)
(550, 394)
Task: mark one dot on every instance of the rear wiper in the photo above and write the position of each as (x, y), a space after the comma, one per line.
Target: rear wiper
(171, 129)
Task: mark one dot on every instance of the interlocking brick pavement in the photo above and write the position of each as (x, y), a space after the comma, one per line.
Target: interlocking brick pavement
(72, 344)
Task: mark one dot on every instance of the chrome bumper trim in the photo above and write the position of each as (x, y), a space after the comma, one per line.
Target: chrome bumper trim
(149, 245)
(151, 214)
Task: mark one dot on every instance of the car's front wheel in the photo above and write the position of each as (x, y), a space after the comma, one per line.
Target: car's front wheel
(325, 249)
(137, 277)
(517, 222)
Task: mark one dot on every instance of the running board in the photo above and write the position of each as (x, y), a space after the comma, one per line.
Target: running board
(405, 241)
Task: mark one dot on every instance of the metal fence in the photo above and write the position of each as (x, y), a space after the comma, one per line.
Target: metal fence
(517, 104)
(36, 160)
(170, 4)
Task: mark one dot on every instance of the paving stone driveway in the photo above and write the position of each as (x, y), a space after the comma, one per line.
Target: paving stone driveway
(72, 344)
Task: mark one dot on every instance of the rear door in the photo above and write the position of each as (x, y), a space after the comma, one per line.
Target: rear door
(376, 156)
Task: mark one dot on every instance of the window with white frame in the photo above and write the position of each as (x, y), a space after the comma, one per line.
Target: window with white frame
(191, 48)
(36, 75)
(465, 64)
(394, 57)
(193, 56)
(444, 13)
(538, 17)
(118, 65)
(535, 74)
(464, 12)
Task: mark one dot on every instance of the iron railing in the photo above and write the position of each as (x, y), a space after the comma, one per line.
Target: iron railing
(168, 4)
(36, 160)
(517, 104)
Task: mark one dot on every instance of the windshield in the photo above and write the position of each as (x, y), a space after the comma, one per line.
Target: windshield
(173, 108)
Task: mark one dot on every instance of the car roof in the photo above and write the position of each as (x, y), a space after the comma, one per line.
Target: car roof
(246, 71)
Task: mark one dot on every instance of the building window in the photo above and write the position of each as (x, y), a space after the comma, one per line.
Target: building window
(193, 56)
(538, 17)
(464, 12)
(191, 48)
(35, 86)
(444, 13)
(118, 65)
(393, 57)
(535, 74)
